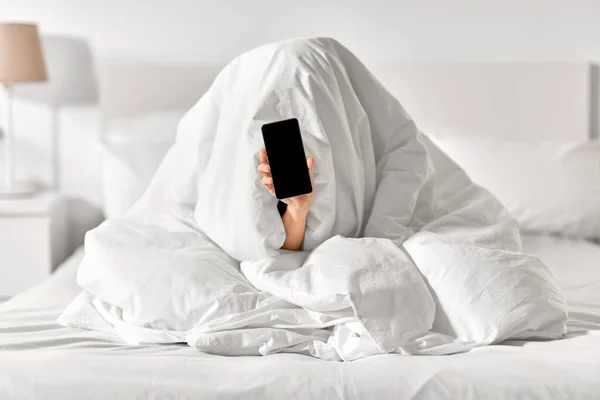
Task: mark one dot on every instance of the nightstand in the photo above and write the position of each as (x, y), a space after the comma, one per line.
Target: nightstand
(33, 240)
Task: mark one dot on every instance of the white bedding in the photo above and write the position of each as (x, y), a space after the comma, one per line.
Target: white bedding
(549, 187)
(41, 359)
(402, 251)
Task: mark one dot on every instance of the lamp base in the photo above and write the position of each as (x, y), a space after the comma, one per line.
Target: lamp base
(17, 191)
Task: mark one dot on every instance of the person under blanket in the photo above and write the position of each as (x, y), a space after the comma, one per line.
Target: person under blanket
(293, 210)
(400, 252)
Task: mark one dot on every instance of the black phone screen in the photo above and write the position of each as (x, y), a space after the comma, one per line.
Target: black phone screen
(287, 160)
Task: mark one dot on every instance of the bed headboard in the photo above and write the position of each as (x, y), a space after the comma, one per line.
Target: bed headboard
(528, 101)
(533, 101)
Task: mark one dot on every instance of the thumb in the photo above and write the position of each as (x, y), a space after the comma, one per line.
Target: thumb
(310, 162)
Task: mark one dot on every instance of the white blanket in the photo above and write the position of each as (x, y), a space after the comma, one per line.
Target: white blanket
(402, 252)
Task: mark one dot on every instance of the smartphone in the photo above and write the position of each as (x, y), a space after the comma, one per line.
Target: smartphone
(287, 160)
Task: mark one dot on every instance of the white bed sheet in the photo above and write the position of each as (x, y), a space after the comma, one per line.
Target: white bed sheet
(41, 359)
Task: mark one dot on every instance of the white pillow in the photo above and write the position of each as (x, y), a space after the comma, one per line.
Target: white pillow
(549, 187)
(131, 151)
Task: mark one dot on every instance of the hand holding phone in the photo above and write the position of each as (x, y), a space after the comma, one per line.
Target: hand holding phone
(287, 173)
(298, 204)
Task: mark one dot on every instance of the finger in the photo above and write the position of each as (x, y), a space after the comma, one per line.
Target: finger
(263, 156)
(264, 170)
(311, 163)
(311, 166)
(268, 184)
(267, 181)
(271, 189)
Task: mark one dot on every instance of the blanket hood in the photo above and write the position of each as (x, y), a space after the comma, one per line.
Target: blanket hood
(350, 124)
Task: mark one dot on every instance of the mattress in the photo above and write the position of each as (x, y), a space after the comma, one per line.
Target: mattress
(41, 359)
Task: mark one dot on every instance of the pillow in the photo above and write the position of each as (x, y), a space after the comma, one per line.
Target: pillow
(131, 151)
(550, 187)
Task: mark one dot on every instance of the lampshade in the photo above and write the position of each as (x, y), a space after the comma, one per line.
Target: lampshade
(21, 58)
(71, 75)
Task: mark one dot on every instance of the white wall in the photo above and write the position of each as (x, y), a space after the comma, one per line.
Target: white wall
(157, 54)
(214, 31)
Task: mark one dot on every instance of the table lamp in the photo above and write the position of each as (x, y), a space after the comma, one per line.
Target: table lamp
(71, 83)
(21, 60)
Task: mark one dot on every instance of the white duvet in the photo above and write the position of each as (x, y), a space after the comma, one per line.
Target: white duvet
(402, 252)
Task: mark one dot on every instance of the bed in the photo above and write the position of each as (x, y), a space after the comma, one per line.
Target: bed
(41, 359)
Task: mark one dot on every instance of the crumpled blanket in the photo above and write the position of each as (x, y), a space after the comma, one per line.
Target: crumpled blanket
(402, 252)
